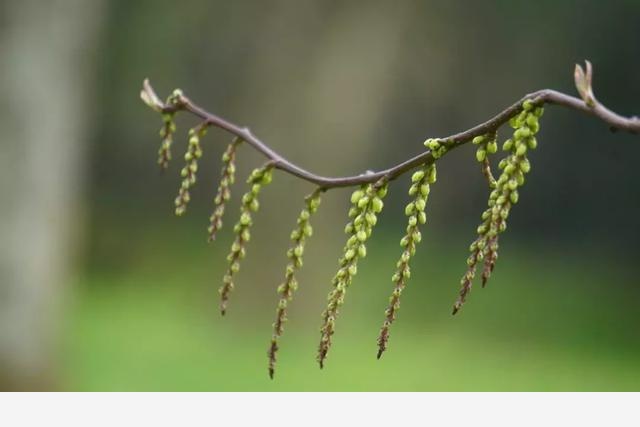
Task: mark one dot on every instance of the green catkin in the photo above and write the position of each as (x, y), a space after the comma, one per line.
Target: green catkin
(258, 178)
(227, 178)
(419, 190)
(494, 219)
(168, 128)
(366, 205)
(166, 133)
(188, 172)
(299, 236)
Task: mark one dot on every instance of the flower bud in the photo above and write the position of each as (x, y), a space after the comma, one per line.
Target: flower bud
(382, 191)
(417, 176)
(349, 254)
(432, 174)
(363, 202)
(362, 251)
(377, 205)
(432, 144)
(481, 154)
(245, 219)
(508, 145)
(409, 209)
(371, 218)
(478, 140)
(356, 196)
(422, 217)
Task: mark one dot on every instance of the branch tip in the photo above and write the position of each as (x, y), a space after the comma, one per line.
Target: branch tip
(583, 80)
(149, 97)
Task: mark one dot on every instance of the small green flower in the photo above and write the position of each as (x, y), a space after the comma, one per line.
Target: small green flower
(258, 178)
(366, 203)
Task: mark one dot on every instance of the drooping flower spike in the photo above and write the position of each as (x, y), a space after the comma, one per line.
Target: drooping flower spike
(366, 205)
(415, 211)
(249, 205)
(166, 133)
(295, 253)
(188, 172)
(494, 219)
(227, 178)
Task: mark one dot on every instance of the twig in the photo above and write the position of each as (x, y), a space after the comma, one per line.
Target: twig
(591, 106)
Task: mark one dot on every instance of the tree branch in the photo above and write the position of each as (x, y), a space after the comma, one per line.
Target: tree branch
(589, 106)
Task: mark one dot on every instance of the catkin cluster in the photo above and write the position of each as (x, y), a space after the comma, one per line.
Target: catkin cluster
(513, 168)
(299, 236)
(366, 205)
(188, 172)
(227, 178)
(258, 178)
(415, 211)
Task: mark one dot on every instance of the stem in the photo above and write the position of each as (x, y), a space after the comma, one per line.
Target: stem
(549, 96)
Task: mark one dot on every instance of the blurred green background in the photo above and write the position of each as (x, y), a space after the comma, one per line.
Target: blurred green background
(103, 288)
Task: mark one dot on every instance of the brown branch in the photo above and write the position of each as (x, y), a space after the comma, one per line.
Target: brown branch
(179, 102)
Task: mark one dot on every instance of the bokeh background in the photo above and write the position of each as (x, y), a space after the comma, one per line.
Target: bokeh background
(103, 288)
